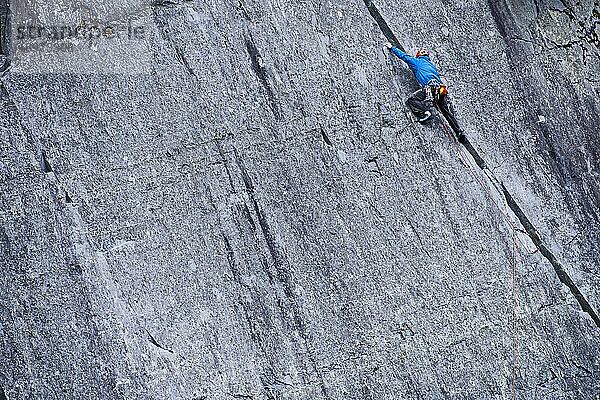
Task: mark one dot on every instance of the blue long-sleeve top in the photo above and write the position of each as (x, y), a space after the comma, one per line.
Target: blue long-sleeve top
(423, 68)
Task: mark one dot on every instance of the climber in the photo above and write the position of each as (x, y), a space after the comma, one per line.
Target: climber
(433, 89)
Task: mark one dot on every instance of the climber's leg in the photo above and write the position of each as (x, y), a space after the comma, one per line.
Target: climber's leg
(418, 106)
(442, 103)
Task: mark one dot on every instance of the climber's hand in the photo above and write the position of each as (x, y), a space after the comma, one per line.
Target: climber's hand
(388, 45)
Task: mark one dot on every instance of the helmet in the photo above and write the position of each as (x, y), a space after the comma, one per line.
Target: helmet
(422, 52)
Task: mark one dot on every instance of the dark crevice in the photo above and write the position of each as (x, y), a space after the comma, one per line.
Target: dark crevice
(265, 265)
(558, 268)
(582, 368)
(252, 309)
(163, 3)
(282, 273)
(168, 3)
(387, 32)
(4, 34)
(242, 8)
(281, 268)
(267, 387)
(506, 26)
(184, 61)
(225, 164)
(154, 342)
(230, 258)
(235, 271)
(68, 198)
(164, 32)
(44, 163)
(246, 212)
(503, 19)
(325, 137)
(241, 396)
(2, 395)
(244, 209)
(261, 73)
(537, 7)
(478, 160)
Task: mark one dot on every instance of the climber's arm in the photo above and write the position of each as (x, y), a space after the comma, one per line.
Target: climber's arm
(411, 61)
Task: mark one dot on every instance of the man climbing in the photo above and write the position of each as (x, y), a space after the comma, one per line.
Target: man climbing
(433, 89)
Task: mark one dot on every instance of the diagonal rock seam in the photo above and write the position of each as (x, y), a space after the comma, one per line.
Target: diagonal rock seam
(558, 268)
(385, 28)
(261, 74)
(4, 40)
(562, 275)
(155, 343)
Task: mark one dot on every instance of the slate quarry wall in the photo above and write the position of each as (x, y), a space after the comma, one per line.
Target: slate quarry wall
(235, 204)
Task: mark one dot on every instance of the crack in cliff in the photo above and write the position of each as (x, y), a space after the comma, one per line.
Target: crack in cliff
(183, 60)
(280, 264)
(261, 74)
(45, 163)
(563, 276)
(529, 229)
(155, 343)
(164, 32)
(4, 35)
(385, 28)
(325, 137)
(282, 274)
(282, 269)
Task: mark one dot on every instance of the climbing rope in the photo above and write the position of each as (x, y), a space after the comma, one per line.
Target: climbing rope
(514, 244)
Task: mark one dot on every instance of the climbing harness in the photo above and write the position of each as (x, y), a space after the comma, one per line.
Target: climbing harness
(429, 94)
(435, 90)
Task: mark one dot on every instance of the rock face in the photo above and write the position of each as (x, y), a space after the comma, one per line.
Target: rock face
(243, 208)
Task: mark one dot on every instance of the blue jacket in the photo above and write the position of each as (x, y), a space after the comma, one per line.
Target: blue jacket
(422, 67)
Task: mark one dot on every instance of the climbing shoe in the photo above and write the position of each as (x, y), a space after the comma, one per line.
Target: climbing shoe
(426, 117)
(461, 137)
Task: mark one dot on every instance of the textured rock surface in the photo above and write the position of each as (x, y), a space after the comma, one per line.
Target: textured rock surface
(259, 218)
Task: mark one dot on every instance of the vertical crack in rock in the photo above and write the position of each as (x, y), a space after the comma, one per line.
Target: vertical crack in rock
(230, 257)
(387, 32)
(506, 23)
(521, 57)
(246, 212)
(261, 73)
(478, 160)
(2, 395)
(250, 307)
(507, 27)
(281, 268)
(560, 272)
(242, 8)
(325, 137)
(4, 35)
(235, 271)
(184, 61)
(44, 163)
(282, 273)
(164, 30)
(154, 342)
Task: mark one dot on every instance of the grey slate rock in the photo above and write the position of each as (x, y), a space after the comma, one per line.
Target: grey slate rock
(242, 207)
